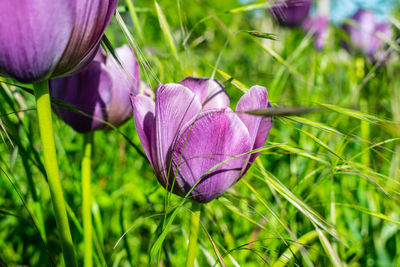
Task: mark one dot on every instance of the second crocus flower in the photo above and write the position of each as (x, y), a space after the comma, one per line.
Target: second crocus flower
(101, 91)
(193, 139)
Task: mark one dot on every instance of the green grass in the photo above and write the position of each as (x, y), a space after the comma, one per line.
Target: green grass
(324, 190)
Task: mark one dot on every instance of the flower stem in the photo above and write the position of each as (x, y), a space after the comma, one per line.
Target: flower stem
(194, 230)
(43, 107)
(87, 199)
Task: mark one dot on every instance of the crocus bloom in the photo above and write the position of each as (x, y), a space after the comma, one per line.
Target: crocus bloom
(290, 12)
(367, 35)
(190, 135)
(318, 26)
(101, 91)
(46, 39)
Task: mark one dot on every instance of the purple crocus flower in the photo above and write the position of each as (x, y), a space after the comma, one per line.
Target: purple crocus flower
(46, 39)
(366, 34)
(102, 90)
(190, 135)
(290, 12)
(318, 26)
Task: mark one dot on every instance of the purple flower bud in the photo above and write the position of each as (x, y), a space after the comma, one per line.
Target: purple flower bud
(290, 12)
(190, 135)
(46, 39)
(102, 90)
(318, 26)
(367, 35)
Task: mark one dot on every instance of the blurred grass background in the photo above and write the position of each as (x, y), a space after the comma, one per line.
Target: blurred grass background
(325, 190)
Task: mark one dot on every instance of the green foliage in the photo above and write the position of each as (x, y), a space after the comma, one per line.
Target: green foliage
(324, 190)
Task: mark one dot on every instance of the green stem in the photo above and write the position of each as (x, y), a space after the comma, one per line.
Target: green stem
(87, 199)
(194, 231)
(50, 161)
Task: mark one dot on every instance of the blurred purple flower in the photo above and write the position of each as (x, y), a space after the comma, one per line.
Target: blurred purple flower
(46, 39)
(190, 133)
(102, 90)
(318, 26)
(290, 12)
(365, 35)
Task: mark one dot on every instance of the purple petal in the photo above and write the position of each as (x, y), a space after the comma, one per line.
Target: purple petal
(125, 83)
(214, 137)
(318, 26)
(101, 56)
(290, 12)
(175, 105)
(106, 78)
(89, 91)
(33, 37)
(43, 39)
(365, 34)
(91, 20)
(258, 126)
(144, 110)
(130, 67)
(211, 93)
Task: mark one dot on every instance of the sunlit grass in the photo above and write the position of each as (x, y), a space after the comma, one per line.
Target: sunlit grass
(324, 191)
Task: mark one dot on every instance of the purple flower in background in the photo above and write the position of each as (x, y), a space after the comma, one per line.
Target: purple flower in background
(367, 36)
(290, 12)
(318, 26)
(102, 90)
(46, 39)
(191, 135)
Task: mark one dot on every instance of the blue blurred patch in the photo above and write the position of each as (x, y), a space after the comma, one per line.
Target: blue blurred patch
(344, 9)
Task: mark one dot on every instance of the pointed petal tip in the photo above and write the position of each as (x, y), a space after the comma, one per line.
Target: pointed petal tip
(211, 92)
(259, 127)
